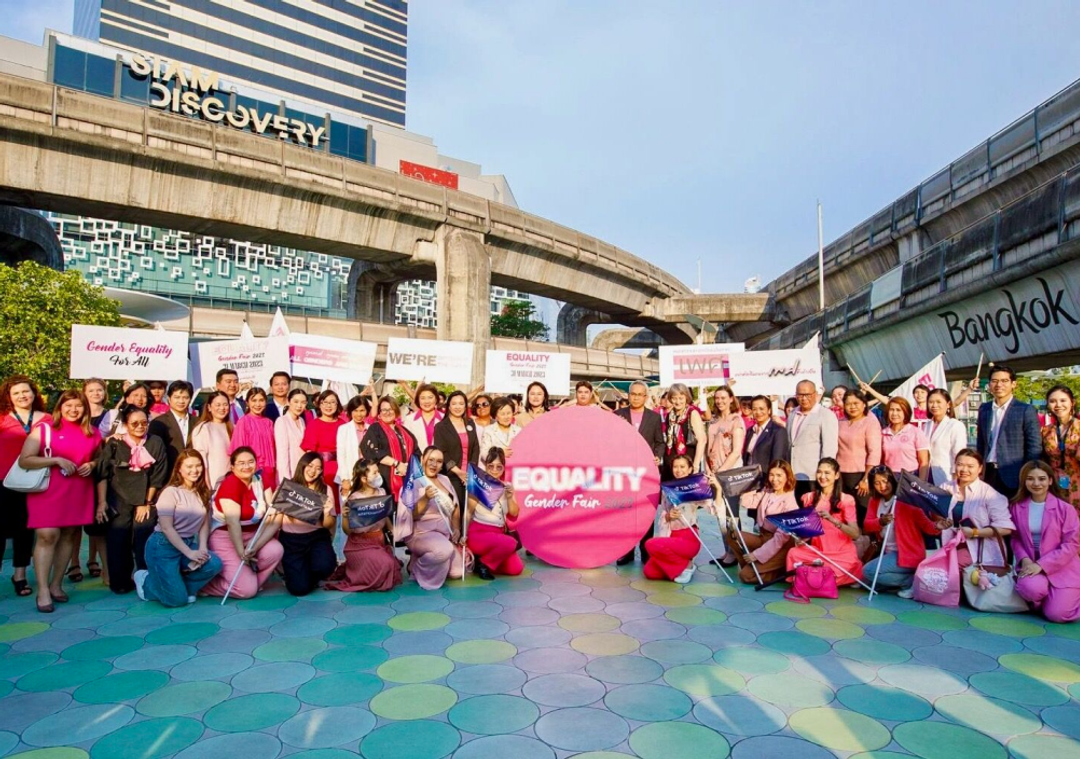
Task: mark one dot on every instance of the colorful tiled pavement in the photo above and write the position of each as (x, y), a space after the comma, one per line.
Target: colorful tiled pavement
(598, 664)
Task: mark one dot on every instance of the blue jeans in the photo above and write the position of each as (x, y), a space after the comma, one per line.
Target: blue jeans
(166, 583)
(892, 576)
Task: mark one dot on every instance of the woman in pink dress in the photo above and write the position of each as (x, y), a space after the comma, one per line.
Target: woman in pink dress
(211, 437)
(320, 436)
(838, 518)
(67, 446)
(289, 431)
(257, 433)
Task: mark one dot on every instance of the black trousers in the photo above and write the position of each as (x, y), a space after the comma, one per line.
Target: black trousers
(125, 546)
(629, 556)
(13, 518)
(992, 477)
(309, 559)
(802, 487)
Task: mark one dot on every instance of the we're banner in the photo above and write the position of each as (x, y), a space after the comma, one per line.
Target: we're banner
(429, 360)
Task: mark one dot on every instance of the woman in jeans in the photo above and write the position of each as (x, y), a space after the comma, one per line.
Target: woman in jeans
(308, 556)
(178, 562)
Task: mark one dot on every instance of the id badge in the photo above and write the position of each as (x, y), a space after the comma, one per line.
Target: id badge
(1063, 482)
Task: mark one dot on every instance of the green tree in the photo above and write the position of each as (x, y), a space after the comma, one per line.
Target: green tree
(1034, 389)
(38, 305)
(516, 320)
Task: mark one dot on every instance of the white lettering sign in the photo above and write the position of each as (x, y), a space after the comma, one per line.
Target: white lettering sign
(331, 358)
(431, 360)
(252, 360)
(117, 353)
(514, 371)
(775, 372)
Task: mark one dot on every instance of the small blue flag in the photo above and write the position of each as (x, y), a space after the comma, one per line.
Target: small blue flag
(933, 501)
(801, 523)
(365, 512)
(413, 484)
(696, 487)
(483, 487)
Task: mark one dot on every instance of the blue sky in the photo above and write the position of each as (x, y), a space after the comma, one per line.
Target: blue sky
(687, 130)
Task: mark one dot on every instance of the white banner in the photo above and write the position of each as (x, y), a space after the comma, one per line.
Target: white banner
(696, 365)
(119, 353)
(775, 372)
(431, 360)
(331, 358)
(514, 371)
(932, 375)
(253, 360)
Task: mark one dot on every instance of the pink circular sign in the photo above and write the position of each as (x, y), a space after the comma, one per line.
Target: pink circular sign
(587, 487)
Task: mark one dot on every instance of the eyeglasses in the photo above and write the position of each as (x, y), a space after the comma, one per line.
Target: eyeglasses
(483, 404)
(143, 423)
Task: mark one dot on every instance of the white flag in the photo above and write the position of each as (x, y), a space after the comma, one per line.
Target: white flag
(932, 376)
(246, 333)
(278, 327)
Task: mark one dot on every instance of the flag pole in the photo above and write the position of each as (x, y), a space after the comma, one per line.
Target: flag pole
(248, 547)
(738, 532)
(877, 569)
(826, 558)
(722, 570)
(820, 259)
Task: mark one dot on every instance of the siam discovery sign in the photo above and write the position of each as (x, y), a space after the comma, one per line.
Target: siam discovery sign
(194, 92)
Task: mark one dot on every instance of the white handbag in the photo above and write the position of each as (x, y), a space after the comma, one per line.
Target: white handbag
(31, 480)
(1001, 597)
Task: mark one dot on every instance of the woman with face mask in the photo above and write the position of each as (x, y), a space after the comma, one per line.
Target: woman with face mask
(370, 563)
(308, 550)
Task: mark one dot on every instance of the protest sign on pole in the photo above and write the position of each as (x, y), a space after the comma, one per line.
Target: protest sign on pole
(514, 371)
(252, 360)
(117, 353)
(431, 360)
(696, 365)
(775, 372)
(932, 376)
(331, 358)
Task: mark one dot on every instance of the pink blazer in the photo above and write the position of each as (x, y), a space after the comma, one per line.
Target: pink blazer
(985, 507)
(1059, 544)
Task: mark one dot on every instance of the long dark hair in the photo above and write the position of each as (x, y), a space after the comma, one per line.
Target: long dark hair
(299, 476)
(177, 480)
(834, 499)
(949, 413)
(547, 399)
(359, 473)
(207, 416)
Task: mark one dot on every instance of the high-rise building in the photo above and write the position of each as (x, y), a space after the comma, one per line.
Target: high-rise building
(347, 56)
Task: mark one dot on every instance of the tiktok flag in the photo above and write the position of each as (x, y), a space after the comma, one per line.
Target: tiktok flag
(413, 484)
(687, 490)
(483, 487)
(294, 500)
(921, 494)
(735, 482)
(365, 512)
(801, 523)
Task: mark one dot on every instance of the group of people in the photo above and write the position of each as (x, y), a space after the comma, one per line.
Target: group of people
(178, 505)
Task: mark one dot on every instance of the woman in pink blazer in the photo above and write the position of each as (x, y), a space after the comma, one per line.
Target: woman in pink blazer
(975, 509)
(1046, 543)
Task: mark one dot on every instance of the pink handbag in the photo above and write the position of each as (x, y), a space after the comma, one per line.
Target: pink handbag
(812, 581)
(937, 580)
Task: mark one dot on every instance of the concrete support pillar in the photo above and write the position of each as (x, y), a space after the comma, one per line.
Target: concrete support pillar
(910, 245)
(463, 290)
(372, 292)
(573, 324)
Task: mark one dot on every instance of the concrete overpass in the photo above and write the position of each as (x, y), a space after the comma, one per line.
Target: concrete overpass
(76, 152)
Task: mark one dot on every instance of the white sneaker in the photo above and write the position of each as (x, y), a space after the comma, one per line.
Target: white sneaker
(191, 599)
(686, 575)
(908, 593)
(140, 578)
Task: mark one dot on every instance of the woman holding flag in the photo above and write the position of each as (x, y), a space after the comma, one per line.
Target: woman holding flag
(370, 563)
(977, 509)
(767, 547)
(308, 556)
(840, 523)
(434, 557)
(672, 551)
(495, 551)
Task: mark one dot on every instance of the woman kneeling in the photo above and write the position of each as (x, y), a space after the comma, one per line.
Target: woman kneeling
(495, 551)
(370, 563)
(309, 556)
(434, 556)
(672, 551)
(838, 519)
(766, 547)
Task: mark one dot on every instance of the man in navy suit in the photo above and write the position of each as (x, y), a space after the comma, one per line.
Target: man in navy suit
(649, 426)
(280, 383)
(1008, 433)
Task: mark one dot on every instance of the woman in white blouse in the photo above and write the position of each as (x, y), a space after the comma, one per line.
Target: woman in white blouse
(501, 434)
(946, 433)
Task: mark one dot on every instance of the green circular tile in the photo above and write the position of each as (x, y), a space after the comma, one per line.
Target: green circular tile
(931, 620)
(350, 659)
(1044, 747)
(604, 644)
(840, 730)
(1034, 665)
(790, 690)
(752, 661)
(678, 740)
(884, 702)
(351, 635)
(150, 610)
(870, 651)
(704, 680)
(793, 642)
(17, 665)
(149, 739)
(589, 623)
(648, 703)
(419, 620)
(711, 590)
(863, 615)
(13, 631)
(415, 669)
(51, 753)
(267, 602)
(246, 714)
(672, 599)
(1068, 630)
(830, 629)
(60, 676)
(481, 651)
(651, 586)
(183, 698)
(102, 648)
(290, 649)
(6, 687)
(493, 715)
(988, 715)
(696, 615)
(794, 610)
(342, 689)
(941, 740)
(185, 632)
(1018, 688)
(1014, 627)
(422, 739)
(123, 686)
(413, 701)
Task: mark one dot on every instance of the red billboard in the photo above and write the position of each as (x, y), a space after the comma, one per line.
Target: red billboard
(429, 175)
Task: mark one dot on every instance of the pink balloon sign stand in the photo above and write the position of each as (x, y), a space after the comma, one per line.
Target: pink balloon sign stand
(587, 487)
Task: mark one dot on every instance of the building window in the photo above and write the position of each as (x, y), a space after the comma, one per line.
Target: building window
(134, 89)
(100, 75)
(69, 68)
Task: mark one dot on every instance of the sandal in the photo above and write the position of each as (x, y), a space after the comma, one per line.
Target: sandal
(93, 568)
(22, 587)
(75, 574)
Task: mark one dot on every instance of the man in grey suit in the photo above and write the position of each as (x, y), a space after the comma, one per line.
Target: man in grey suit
(1008, 434)
(651, 428)
(812, 431)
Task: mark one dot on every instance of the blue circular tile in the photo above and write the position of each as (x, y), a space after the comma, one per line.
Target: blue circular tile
(500, 746)
(419, 642)
(204, 611)
(17, 665)
(652, 629)
(923, 681)
(905, 636)
(52, 640)
(550, 661)
(493, 715)
(363, 615)
(624, 670)
(1064, 719)
(564, 690)
(740, 715)
(8, 741)
(252, 620)
(576, 604)
(522, 598)
(155, 657)
(303, 627)
(485, 679)
(211, 667)
(234, 642)
(648, 703)
(89, 620)
(230, 746)
(273, 678)
(962, 661)
(582, 729)
(761, 621)
(676, 651)
(326, 727)
(778, 747)
(734, 605)
(565, 589)
(529, 615)
(794, 642)
(139, 626)
(415, 739)
(618, 595)
(72, 726)
(983, 642)
(721, 636)
(1059, 648)
(28, 708)
(472, 609)
(433, 602)
(833, 671)
(630, 610)
(475, 629)
(525, 638)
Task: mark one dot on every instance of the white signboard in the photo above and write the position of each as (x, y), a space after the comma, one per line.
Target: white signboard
(775, 372)
(253, 360)
(431, 360)
(696, 365)
(331, 358)
(118, 353)
(514, 371)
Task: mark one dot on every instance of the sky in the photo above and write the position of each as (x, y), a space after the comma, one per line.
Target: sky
(683, 131)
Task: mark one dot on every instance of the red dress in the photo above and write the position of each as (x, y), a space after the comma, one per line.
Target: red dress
(321, 437)
(834, 543)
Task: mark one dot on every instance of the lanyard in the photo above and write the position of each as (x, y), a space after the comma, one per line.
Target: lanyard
(1061, 439)
(28, 423)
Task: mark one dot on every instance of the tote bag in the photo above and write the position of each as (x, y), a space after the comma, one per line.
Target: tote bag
(1001, 597)
(31, 480)
(937, 580)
